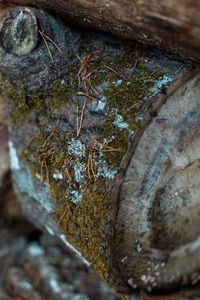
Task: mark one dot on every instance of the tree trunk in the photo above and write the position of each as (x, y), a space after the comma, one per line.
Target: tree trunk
(104, 145)
(161, 23)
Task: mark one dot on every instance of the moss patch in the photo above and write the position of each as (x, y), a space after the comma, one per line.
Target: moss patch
(80, 171)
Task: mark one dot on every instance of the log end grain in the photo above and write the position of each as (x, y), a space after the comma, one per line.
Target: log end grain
(158, 218)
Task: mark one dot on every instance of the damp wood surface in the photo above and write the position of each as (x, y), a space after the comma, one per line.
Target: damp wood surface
(166, 24)
(103, 133)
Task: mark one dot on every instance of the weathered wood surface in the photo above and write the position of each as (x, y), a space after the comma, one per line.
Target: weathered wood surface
(166, 24)
(159, 200)
(104, 144)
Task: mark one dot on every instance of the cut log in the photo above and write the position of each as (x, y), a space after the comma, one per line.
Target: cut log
(104, 145)
(161, 23)
(158, 217)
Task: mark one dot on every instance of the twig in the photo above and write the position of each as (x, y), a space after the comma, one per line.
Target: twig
(151, 74)
(133, 106)
(29, 143)
(91, 156)
(86, 95)
(89, 82)
(108, 147)
(41, 171)
(44, 36)
(81, 120)
(116, 72)
(88, 165)
(42, 33)
(50, 135)
(47, 46)
(77, 121)
(83, 65)
(63, 215)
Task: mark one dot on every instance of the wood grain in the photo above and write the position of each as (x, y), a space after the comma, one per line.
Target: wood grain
(164, 24)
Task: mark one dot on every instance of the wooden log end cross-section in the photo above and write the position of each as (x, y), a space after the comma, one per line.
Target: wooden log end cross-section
(104, 146)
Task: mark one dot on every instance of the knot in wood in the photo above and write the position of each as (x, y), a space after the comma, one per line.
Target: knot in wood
(19, 34)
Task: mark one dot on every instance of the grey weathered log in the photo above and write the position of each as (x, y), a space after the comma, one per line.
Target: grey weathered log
(128, 211)
(166, 24)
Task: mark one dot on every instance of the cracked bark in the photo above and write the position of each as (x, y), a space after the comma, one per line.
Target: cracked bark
(151, 241)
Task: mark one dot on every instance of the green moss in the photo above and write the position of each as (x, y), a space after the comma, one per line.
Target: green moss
(63, 92)
(23, 103)
(90, 218)
(82, 194)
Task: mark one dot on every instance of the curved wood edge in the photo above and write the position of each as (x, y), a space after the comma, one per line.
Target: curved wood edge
(157, 102)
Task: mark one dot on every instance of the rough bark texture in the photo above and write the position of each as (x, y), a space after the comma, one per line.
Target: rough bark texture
(161, 23)
(100, 124)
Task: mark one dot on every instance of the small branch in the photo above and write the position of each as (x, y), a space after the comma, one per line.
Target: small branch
(116, 72)
(81, 120)
(64, 214)
(29, 143)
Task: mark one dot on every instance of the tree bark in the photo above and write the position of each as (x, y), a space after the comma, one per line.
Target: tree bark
(161, 23)
(104, 145)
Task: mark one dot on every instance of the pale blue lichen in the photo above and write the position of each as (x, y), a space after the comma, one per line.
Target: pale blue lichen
(58, 175)
(76, 147)
(120, 123)
(75, 195)
(105, 171)
(164, 80)
(100, 106)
